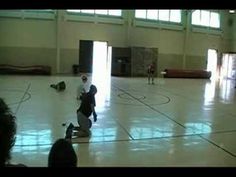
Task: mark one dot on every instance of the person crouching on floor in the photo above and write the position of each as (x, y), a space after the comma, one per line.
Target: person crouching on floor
(86, 109)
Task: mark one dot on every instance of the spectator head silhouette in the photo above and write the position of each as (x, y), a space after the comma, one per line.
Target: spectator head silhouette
(7, 132)
(62, 154)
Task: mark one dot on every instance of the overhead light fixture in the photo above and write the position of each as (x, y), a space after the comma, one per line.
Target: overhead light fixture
(232, 11)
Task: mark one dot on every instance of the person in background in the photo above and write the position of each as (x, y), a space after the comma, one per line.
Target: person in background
(150, 72)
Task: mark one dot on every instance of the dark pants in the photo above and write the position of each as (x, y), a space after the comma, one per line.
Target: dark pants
(151, 76)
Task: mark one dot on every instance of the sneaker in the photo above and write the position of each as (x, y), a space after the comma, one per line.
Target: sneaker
(69, 131)
(90, 122)
(77, 128)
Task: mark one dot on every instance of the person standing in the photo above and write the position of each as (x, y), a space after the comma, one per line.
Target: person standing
(150, 71)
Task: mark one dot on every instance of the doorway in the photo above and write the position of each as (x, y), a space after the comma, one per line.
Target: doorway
(228, 67)
(212, 63)
(95, 59)
(85, 56)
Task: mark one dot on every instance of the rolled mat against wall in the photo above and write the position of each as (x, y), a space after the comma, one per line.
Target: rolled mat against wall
(25, 70)
(184, 73)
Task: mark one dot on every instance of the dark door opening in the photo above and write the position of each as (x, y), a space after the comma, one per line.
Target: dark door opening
(86, 56)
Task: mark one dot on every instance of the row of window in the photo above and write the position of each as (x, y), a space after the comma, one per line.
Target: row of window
(198, 17)
(164, 15)
(206, 18)
(100, 12)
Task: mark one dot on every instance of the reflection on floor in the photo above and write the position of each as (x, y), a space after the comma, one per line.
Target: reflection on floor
(176, 122)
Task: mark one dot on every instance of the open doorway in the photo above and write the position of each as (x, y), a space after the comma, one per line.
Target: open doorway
(212, 63)
(228, 67)
(85, 56)
(227, 75)
(100, 61)
(95, 59)
(101, 75)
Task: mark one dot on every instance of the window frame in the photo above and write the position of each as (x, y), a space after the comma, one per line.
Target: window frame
(94, 13)
(161, 24)
(204, 26)
(158, 16)
(94, 18)
(29, 14)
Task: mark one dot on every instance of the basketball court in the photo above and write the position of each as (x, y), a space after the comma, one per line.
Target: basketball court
(175, 122)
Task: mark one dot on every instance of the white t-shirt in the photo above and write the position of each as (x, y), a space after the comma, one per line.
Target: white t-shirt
(84, 87)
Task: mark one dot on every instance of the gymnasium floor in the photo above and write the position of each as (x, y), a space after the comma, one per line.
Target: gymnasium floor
(175, 122)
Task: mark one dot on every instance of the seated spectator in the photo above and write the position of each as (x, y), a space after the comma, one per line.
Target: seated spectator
(62, 154)
(7, 135)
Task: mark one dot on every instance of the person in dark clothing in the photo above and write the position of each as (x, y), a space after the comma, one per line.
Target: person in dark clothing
(62, 154)
(61, 86)
(150, 72)
(7, 135)
(86, 109)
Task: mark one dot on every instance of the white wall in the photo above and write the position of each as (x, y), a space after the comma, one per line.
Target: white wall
(30, 37)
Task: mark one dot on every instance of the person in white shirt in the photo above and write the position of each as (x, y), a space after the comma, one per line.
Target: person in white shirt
(84, 88)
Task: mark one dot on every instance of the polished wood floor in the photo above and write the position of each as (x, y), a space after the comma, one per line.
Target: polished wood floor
(175, 122)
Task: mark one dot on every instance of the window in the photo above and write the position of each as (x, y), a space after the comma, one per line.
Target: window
(140, 13)
(99, 12)
(163, 15)
(114, 12)
(196, 20)
(214, 20)
(87, 11)
(152, 14)
(29, 14)
(206, 18)
(175, 16)
(40, 10)
(102, 12)
(74, 11)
